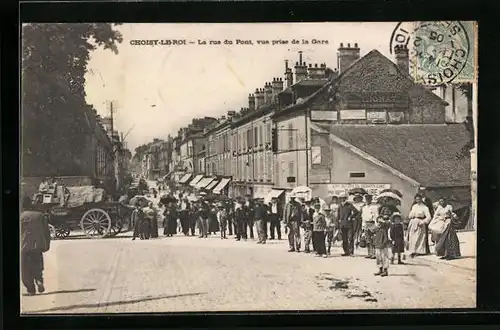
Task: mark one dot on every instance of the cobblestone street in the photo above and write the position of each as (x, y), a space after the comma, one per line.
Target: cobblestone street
(192, 274)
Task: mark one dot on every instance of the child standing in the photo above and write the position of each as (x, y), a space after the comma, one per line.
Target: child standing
(381, 243)
(222, 218)
(397, 237)
(308, 230)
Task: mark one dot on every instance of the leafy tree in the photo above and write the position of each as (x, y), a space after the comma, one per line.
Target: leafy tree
(55, 126)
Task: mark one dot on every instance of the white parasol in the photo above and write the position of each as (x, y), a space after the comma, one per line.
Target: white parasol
(302, 192)
(390, 195)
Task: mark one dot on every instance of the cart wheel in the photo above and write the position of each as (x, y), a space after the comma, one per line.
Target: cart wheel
(52, 230)
(62, 232)
(116, 228)
(96, 223)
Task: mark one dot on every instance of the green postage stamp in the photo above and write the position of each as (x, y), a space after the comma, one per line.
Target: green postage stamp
(440, 52)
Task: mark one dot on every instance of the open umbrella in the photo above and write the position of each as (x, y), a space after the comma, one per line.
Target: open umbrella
(134, 201)
(394, 191)
(388, 198)
(167, 199)
(302, 192)
(357, 190)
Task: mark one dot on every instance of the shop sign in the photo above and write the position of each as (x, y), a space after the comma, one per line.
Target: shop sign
(358, 114)
(372, 188)
(324, 115)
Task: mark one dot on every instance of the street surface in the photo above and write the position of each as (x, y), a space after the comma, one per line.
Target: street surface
(191, 274)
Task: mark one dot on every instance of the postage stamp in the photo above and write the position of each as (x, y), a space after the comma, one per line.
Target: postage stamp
(440, 52)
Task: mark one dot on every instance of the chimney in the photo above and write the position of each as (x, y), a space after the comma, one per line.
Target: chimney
(231, 114)
(347, 56)
(277, 88)
(288, 75)
(251, 102)
(316, 72)
(259, 98)
(268, 93)
(300, 69)
(402, 59)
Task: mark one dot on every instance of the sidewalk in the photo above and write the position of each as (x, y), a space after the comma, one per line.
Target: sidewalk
(467, 249)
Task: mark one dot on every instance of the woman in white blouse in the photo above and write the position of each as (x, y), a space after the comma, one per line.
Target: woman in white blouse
(442, 227)
(420, 217)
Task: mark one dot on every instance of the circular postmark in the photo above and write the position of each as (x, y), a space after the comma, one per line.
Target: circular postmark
(437, 51)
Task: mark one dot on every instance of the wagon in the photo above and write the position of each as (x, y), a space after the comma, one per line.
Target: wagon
(96, 219)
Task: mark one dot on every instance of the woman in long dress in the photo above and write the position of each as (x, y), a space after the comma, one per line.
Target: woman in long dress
(420, 217)
(444, 222)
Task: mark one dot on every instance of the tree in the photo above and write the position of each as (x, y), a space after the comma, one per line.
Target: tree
(466, 90)
(55, 128)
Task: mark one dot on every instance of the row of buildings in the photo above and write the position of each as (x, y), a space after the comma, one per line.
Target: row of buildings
(364, 124)
(104, 160)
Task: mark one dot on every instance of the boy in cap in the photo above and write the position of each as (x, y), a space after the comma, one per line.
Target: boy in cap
(308, 229)
(331, 227)
(222, 218)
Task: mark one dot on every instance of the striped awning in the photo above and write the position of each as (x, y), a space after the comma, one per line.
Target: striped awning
(222, 184)
(204, 182)
(212, 185)
(185, 178)
(196, 180)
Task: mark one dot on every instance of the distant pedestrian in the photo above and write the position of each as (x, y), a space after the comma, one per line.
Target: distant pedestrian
(319, 229)
(397, 237)
(420, 217)
(35, 240)
(137, 221)
(260, 221)
(204, 216)
(307, 224)
(275, 216)
(347, 215)
(239, 221)
(222, 219)
(369, 214)
(293, 221)
(331, 228)
(382, 245)
(249, 208)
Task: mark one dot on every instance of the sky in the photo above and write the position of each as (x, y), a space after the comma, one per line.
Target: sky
(158, 89)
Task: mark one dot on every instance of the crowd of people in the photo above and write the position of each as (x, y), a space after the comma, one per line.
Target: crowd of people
(359, 222)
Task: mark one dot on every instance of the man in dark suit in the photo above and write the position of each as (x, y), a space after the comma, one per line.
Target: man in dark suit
(249, 209)
(347, 214)
(275, 216)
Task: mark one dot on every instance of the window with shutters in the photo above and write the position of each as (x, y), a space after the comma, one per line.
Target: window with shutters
(268, 133)
(261, 166)
(261, 135)
(291, 136)
(256, 136)
(291, 169)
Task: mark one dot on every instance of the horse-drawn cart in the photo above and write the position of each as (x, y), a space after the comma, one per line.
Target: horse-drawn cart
(83, 208)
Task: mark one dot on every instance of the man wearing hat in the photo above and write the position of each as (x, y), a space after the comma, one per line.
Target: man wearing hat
(369, 214)
(239, 220)
(249, 209)
(275, 215)
(222, 219)
(331, 227)
(347, 215)
(293, 220)
(260, 221)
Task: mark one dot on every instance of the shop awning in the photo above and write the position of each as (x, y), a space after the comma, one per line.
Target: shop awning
(204, 182)
(212, 184)
(260, 194)
(274, 193)
(185, 178)
(196, 180)
(222, 184)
